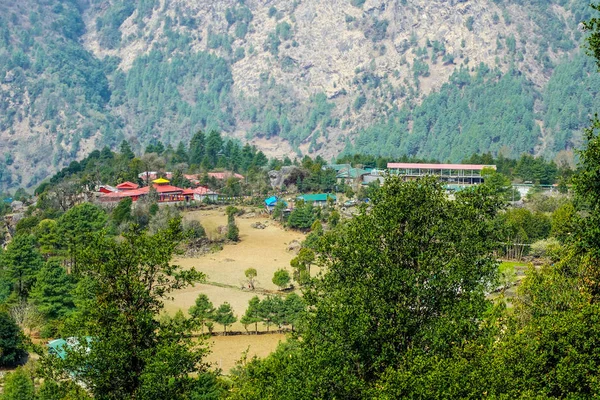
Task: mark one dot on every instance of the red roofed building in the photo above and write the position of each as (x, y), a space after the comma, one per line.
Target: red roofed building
(200, 193)
(166, 192)
(127, 186)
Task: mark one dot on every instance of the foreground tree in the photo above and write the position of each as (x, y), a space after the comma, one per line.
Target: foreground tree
(406, 277)
(125, 351)
(18, 386)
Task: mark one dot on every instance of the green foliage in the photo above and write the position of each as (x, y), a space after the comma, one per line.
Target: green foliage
(224, 316)
(281, 278)
(52, 292)
(122, 213)
(22, 261)
(303, 216)
(132, 354)
(387, 279)
(202, 310)
(252, 315)
(18, 386)
(12, 341)
(470, 114)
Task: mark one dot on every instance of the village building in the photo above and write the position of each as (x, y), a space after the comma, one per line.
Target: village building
(317, 200)
(272, 201)
(164, 190)
(456, 174)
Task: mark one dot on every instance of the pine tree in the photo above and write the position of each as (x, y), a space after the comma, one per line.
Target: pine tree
(52, 292)
(202, 311)
(22, 261)
(197, 148)
(252, 315)
(224, 316)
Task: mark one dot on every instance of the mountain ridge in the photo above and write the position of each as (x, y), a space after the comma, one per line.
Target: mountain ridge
(303, 77)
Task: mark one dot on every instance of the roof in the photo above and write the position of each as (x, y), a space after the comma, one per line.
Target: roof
(201, 190)
(271, 201)
(225, 175)
(127, 185)
(160, 181)
(143, 191)
(317, 197)
(352, 173)
(57, 347)
(472, 167)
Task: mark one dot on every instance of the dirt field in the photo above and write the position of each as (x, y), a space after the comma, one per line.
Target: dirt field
(263, 249)
(227, 350)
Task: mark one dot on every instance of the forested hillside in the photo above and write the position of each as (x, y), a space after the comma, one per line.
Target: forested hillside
(430, 79)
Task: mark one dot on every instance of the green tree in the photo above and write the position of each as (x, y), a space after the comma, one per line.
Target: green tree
(22, 262)
(51, 293)
(294, 307)
(18, 386)
(251, 274)
(252, 315)
(302, 217)
(12, 341)
(126, 151)
(271, 310)
(281, 278)
(301, 265)
(122, 212)
(131, 353)
(224, 316)
(77, 225)
(202, 311)
(407, 276)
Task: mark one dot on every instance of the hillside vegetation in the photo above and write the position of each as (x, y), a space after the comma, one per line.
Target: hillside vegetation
(430, 79)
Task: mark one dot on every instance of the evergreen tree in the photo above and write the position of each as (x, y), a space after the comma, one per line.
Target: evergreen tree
(52, 292)
(12, 341)
(122, 212)
(126, 151)
(281, 278)
(133, 354)
(22, 262)
(197, 148)
(202, 311)
(252, 315)
(224, 316)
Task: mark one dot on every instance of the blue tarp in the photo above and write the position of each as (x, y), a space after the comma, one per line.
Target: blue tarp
(271, 201)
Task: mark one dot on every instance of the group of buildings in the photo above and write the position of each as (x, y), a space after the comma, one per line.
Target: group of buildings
(450, 174)
(455, 176)
(164, 191)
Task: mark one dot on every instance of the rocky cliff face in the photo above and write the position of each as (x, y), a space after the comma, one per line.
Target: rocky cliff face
(297, 77)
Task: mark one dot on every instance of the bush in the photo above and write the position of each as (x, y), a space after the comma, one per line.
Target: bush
(194, 230)
(545, 248)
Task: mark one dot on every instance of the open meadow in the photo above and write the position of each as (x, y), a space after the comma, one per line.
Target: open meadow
(262, 249)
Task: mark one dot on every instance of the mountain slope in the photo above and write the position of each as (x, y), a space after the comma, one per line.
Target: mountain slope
(436, 79)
